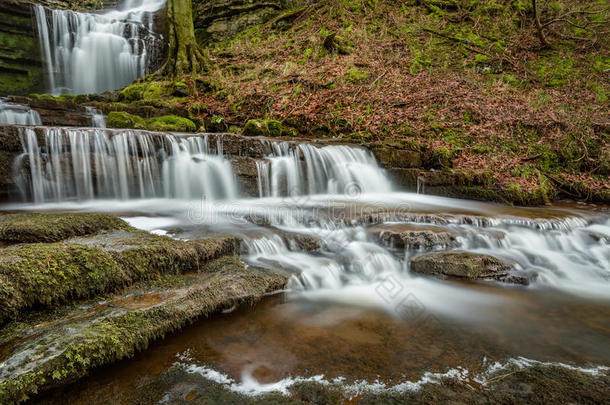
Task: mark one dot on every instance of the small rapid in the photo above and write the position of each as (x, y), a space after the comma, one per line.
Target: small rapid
(17, 114)
(335, 198)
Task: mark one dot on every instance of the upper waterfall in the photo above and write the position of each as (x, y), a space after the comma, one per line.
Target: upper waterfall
(91, 53)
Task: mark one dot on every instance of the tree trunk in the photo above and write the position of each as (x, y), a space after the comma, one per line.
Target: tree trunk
(541, 35)
(185, 57)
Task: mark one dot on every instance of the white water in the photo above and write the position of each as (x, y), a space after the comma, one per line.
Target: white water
(184, 178)
(17, 114)
(304, 169)
(251, 387)
(91, 53)
(85, 164)
(98, 119)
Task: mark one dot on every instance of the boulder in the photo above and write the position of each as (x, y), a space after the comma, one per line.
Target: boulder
(465, 265)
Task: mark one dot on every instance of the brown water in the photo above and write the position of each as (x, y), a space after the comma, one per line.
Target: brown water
(280, 338)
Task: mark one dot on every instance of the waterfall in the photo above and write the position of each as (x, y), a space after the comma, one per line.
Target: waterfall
(17, 114)
(86, 164)
(98, 119)
(307, 170)
(92, 53)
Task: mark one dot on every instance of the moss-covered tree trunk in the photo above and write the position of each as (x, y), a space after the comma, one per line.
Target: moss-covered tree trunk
(185, 56)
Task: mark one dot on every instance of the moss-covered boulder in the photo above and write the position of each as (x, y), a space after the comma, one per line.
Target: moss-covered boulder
(166, 123)
(120, 119)
(269, 128)
(170, 123)
(37, 227)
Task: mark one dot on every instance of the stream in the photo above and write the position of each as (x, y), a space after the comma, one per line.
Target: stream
(353, 311)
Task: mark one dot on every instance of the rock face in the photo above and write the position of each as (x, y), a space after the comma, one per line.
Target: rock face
(464, 265)
(222, 19)
(390, 157)
(20, 62)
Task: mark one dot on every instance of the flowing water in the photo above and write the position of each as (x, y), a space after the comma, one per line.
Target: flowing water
(353, 308)
(87, 53)
(17, 114)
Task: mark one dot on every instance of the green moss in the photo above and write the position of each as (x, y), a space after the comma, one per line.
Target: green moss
(47, 274)
(255, 128)
(441, 158)
(274, 127)
(120, 119)
(166, 123)
(170, 123)
(114, 337)
(148, 91)
(270, 128)
(35, 227)
(355, 75)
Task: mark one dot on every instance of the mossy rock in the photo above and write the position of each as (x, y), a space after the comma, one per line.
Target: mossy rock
(120, 119)
(166, 123)
(180, 89)
(150, 91)
(105, 333)
(36, 227)
(47, 274)
(270, 128)
(256, 128)
(440, 158)
(216, 123)
(170, 123)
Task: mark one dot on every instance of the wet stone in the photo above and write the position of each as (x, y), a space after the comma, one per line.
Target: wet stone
(464, 265)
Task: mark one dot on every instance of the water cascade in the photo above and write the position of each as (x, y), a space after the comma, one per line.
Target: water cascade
(85, 164)
(98, 119)
(305, 169)
(17, 114)
(91, 53)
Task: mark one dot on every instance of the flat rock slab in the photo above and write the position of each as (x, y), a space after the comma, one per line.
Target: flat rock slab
(464, 265)
(43, 275)
(54, 348)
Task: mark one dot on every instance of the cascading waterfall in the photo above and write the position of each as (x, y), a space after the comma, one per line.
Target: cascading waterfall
(98, 119)
(567, 252)
(86, 164)
(92, 53)
(17, 114)
(306, 170)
